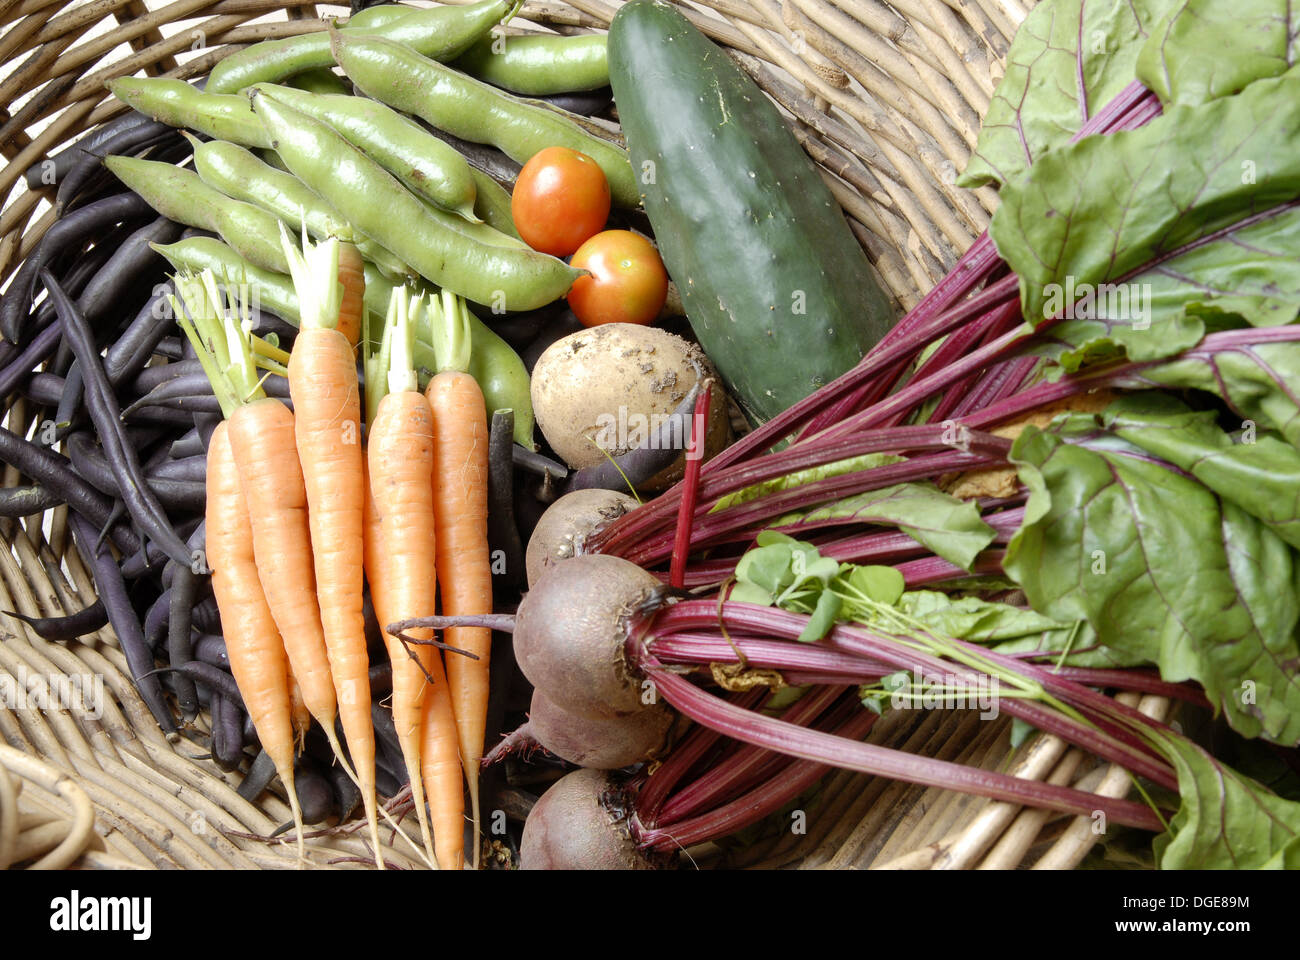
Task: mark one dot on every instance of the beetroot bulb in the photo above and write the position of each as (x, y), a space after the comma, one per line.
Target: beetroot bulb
(580, 823)
(599, 743)
(571, 635)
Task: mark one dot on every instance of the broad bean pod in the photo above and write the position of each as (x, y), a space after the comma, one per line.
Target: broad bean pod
(444, 32)
(176, 103)
(445, 249)
(426, 165)
(179, 194)
(538, 66)
(473, 110)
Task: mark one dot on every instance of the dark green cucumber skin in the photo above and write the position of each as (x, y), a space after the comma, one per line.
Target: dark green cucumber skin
(744, 222)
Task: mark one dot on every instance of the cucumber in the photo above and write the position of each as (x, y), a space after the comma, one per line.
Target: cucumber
(777, 289)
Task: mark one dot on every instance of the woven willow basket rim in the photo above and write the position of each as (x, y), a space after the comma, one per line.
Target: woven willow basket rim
(885, 97)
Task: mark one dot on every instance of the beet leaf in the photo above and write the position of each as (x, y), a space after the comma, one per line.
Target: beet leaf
(1226, 820)
(1068, 59)
(1257, 379)
(1161, 569)
(1261, 474)
(1195, 208)
(1204, 49)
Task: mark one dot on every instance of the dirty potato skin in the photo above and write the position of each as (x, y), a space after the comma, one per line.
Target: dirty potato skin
(602, 388)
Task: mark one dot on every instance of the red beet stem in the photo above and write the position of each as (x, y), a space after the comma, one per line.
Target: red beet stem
(1115, 741)
(685, 755)
(826, 748)
(691, 488)
(783, 784)
(728, 779)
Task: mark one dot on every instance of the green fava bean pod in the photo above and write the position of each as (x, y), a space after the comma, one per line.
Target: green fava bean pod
(273, 60)
(538, 66)
(442, 32)
(472, 110)
(176, 103)
(388, 264)
(240, 174)
(320, 80)
(270, 158)
(376, 203)
(477, 230)
(401, 146)
(379, 15)
(180, 195)
(492, 203)
(263, 289)
(502, 377)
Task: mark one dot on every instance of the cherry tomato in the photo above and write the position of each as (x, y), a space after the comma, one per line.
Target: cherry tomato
(560, 200)
(628, 282)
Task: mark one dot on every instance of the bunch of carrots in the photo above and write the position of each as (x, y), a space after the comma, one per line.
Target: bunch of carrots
(305, 509)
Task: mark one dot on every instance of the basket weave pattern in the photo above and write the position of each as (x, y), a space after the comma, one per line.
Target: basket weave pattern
(885, 97)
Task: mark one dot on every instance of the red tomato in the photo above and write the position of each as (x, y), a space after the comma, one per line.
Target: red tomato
(628, 282)
(561, 199)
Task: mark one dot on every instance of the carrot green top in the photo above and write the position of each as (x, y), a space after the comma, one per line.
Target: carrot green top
(449, 331)
(391, 367)
(315, 271)
(220, 333)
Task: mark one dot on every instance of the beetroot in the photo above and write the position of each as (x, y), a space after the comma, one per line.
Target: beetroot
(580, 823)
(567, 522)
(598, 743)
(571, 634)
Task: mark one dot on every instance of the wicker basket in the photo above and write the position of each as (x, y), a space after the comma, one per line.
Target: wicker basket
(885, 97)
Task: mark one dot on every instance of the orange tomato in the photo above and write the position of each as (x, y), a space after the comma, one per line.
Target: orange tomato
(628, 282)
(560, 200)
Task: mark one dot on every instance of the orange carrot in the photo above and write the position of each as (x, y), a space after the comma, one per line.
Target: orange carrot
(400, 460)
(373, 547)
(256, 653)
(401, 565)
(352, 276)
(327, 433)
(261, 433)
(301, 715)
(440, 769)
(464, 561)
(262, 437)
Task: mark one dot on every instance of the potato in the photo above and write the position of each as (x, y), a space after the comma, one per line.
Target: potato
(608, 388)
